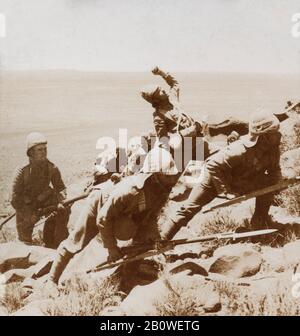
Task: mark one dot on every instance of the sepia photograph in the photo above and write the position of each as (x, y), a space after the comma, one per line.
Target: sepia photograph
(150, 160)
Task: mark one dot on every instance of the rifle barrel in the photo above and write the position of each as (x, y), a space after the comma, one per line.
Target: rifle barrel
(75, 199)
(276, 187)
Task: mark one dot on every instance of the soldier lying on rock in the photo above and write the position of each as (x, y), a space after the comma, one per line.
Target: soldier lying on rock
(250, 163)
(121, 211)
(31, 193)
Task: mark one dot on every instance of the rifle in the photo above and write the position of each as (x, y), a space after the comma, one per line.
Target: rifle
(7, 219)
(65, 203)
(159, 247)
(275, 187)
(51, 209)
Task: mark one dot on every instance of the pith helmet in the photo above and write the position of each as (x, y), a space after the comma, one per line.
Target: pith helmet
(159, 160)
(260, 123)
(33, 139)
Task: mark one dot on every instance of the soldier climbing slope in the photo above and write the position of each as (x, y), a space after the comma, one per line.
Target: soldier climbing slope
(243, 166)
(32, 194)
(121, 211)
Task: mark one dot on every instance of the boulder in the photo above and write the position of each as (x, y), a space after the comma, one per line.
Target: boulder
(273, 259)
(156, 295)
(18, 255)
(236, 261)
(35, 271)
(198, 288)
(290, 163)
(190, 266)
(91, 256)
(36, 308)
(141, 300)
(291, 253)
(17, 275)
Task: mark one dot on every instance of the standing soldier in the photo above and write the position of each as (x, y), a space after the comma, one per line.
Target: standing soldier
(121, 212)
(243, 166)
(32, 194)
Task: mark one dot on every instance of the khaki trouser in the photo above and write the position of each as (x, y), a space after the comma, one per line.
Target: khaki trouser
(85, 228)
(55, 229)
(203, 193)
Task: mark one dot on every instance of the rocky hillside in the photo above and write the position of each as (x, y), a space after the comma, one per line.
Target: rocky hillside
(249, 277)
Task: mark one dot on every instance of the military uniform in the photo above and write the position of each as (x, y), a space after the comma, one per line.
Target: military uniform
(135, 197)
(173, 121)
(132, 197)
(31, 191)
(234, 169)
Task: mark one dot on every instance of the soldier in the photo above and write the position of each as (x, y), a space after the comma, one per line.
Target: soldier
(169, 119)
(122, 211)
(243, 166)
(31, 192)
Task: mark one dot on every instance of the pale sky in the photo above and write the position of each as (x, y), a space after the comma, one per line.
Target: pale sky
(135, 35)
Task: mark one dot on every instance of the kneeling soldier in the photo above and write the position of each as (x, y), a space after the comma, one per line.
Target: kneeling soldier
(31, 193)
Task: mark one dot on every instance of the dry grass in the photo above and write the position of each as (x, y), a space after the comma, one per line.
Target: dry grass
(178, 302)
(179, 305)
(289, 198)
(13, 298)
(83, 298)
(291, 135)
(7, 234)
(239, 301)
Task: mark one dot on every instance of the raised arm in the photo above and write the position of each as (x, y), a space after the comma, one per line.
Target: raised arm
(170, 80)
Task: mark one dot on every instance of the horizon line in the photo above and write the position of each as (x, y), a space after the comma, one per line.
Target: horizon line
(149, 71)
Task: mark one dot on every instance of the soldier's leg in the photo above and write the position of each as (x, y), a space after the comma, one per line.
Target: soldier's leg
(48, 233)
(228, 126)
(85, 230)
(61, 227)
(25, 221)
(261, 219)
(56, 229)
(199, 196)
